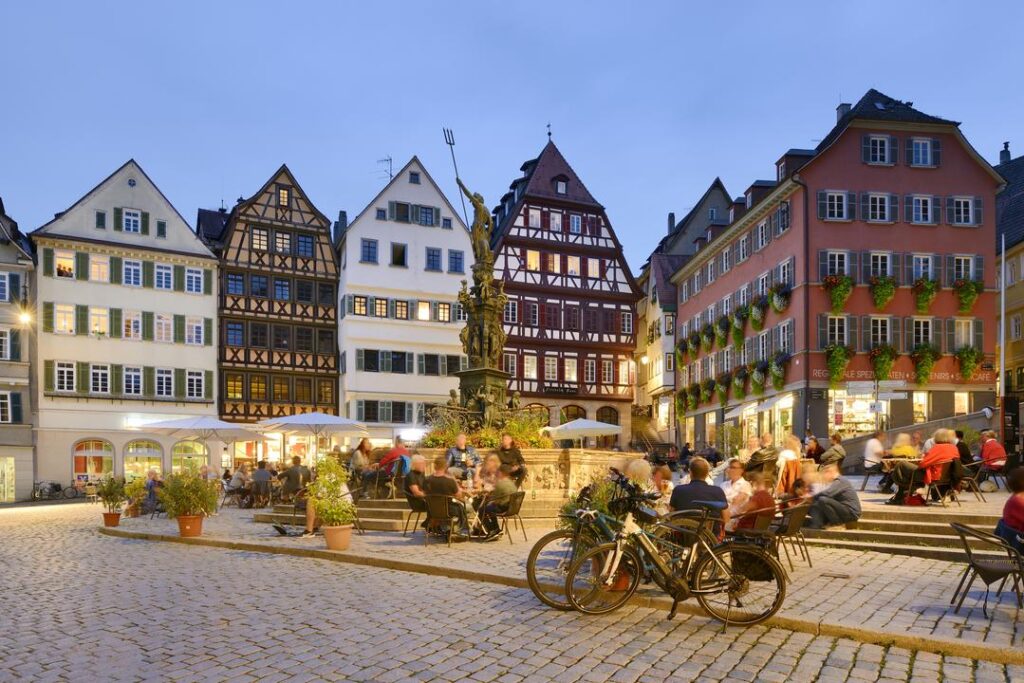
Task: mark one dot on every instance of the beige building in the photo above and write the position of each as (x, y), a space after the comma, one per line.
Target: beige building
(16, 466)
(126, 305)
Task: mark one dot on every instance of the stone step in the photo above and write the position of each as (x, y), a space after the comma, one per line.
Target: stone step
(930, 513)
(926, 552)
(912, 527)
(872, 539)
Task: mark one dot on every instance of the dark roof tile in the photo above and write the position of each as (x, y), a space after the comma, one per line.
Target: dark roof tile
(1010, 202)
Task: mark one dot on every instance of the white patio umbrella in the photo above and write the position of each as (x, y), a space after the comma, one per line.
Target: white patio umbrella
(314, 424)
(203, 429)
(581, 429)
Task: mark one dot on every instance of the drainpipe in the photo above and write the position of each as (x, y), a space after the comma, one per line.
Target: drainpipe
(807, 303)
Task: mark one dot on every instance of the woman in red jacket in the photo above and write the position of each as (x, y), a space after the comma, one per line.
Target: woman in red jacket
(908, 476)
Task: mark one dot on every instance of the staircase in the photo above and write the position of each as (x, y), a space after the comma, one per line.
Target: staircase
(390, 515)
(919, 532)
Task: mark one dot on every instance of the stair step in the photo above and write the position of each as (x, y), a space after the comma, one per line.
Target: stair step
(913, 527)
(882, 538)
(926, 552)
(930, 514)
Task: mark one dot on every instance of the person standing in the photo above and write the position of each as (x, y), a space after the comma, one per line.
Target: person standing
(510, 455)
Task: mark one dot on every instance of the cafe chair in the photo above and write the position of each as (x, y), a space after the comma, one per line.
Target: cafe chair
(942, 488)
(261, 494)
(438, 514)
(988, 568)
(969, 481)
(868, 471)
(418, 506)
(515, 504)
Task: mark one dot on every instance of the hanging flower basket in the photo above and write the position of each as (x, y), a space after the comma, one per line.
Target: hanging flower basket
(777, 370)
(758, 376)
(722, 326)
(758, 312)
(924, 357)
(839, 288)
(682, 351)
(680, 404)
(967, 292)
(882, 359)
(883, 289)
(693, 344)
(693, 396)
(722, 383)
(707, 337)
(837, 358)
(969, 358)
(779, 296)
(707, 389)
(924, 290)
(739, 324)
(739, 382)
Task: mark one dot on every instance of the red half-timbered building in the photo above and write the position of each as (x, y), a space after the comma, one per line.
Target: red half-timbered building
(570, 315)
(278, 303)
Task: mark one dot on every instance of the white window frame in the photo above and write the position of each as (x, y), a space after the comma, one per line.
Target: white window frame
(134, 267)
(878, 150)
(878, 208)
(711, 271)
(99, 321)
(575, 223)
(784, 336)
(837, 206)
(194, 331)
(195, 381)
(878, 259)
(529, 366)
(762, 235)
(590, 371)
(959, 205)
(572, 265)
(762, 283)
(131, 221)
(836, 327)
(511, 312)
(64, 376)
(163, 328)
(509, 363)
(570, 370)
(880, 330)
(555, 221)
(194, 280)
(164, 383)
(964, 264)
(533, 218)
(163, 276)
(834, 258)
(763, 342)
(99, 268)
(626, 322)
(99, 376)
(1015, 327)
(918, 327)
(785, 270)
(64, 319)
(921, 152)
(917, 213)
(744, 248)
(922, 266)
(963, 332)
(550, 368)
(132, 381)
(67, 256)
(607, 372)
(725, 260)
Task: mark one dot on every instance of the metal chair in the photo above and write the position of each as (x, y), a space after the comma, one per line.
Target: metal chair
(989, 569)
(515, 504)
(868, 471)
(943, 486)
(261, 492)
(439, 513)
(417, 505)
(790, 529)
(969, 482)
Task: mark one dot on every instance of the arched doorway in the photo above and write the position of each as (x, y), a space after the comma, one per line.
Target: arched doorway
(93, 459)
(190, 454)
(610, 416)
(141, 456)
(570, 413)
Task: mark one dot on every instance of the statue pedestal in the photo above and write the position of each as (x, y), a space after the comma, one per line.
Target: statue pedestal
(494, 383)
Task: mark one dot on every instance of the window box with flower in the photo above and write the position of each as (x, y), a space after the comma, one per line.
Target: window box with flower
(883, 289)
(837, 358)
(722, 326)
(707, 390)
(839, 288)
(693, 344)
(722, 384)
(882, 358)
(779, 296)
(758, 312)
(924, 357)
(739, 382)
(739, 324)
(759, 374)
(969, 358)
(967, 292)
(777, 370)
(707, 337)
(693, 396)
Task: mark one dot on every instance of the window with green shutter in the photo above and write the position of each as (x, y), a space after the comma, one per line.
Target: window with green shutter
(207, 281)
(81, 265)
(207, 331)
(147, 274)
(82, 377)
(179, 329)
(47, 316)
(115, 323)
(161, 228)
(148, 377)
(48, 262)
(118, 219)
(15, 345)
(147, 326)
(145, 223)
(116, 380)
(208, 385)
(16, 415)
(81, 320)
(179, 278)
(48, 375)
(179, 383)
(115, 270)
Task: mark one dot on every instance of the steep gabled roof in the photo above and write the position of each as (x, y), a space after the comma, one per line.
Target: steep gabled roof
(211, 224)
(876, 106)
(548, 167)
(16, 236)
(1010, 202)
(662, 267)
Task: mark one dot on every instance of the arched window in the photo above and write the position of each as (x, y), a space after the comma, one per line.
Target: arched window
(570, 413)
(610, 416)
(190, 454)
(141, 456)
(93, 459)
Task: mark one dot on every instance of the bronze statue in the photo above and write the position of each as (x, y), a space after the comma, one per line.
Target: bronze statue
(453, 401)
(483, 226)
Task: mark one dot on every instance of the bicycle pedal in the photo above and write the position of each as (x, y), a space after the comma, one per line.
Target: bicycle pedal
(672, 612)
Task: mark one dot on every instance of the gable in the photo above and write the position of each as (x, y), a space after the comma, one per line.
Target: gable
(281, 200)
(128, 193)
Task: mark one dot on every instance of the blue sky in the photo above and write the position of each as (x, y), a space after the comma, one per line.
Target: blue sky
(648, 101)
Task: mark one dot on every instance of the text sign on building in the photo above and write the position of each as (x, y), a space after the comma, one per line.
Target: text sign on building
(860, 388)
(892, 384)
(892, 395)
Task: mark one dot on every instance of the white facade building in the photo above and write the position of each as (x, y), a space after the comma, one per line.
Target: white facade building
(402, 262)
(125, 328)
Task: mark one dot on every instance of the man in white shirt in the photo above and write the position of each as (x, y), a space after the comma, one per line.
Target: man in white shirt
(737, 489)
(874, 449)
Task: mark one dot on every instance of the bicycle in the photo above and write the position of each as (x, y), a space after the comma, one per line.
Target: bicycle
(739, 573)
(52, 490)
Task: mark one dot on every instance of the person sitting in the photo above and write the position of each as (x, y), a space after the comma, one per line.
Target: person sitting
(966, 457)
(837, 503)
(440, 483)
(497, 503)
(227, 474)
(753, 445)
(796, 495)
(1011, 526)
(993, 455)
(510, 455)
(711, 454)
(764, 459)
(903, 447)
(908, 476)
(241, 479)
(294, 478)
(689, 496)
(737, 490)
(835, 453)
(463, 460)
(874, 453)
(814, 450)
(359, 460)
(761, 503)
(386, 466)
(488, 475)
(661, 478)
(261, 482)
(415, 481)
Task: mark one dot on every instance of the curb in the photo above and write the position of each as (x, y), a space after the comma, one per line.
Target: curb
(923, 643)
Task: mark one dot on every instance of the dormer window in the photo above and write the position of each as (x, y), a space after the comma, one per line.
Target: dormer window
(732, 214)
(782, 170)
(284, 196)
(709, 235)
(712, 213)
(561, 186)
(414, 177)
(750, 199)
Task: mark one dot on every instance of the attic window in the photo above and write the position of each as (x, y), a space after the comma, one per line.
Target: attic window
(414, 177)
(782, 170)
(712, 213)
(283, 196)
(750, 199)
(561, 186)
(879, 106)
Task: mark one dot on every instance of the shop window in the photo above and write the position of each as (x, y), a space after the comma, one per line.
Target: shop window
(961, 402)
(93, 459)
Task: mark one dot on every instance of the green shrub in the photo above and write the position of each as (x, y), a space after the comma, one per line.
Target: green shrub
(601, 493)
(329, 493)
(185, 494)
(110, 490)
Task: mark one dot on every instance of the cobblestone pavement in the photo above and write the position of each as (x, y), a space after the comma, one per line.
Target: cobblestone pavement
(81, 606)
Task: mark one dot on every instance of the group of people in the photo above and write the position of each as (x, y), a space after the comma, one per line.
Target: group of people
(255, 487)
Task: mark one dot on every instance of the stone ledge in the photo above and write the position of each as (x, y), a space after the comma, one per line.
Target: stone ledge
(900, 639)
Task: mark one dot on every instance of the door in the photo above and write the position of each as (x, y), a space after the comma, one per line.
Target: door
(6, 480)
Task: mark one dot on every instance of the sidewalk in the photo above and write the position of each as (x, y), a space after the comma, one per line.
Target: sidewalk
(867, 596)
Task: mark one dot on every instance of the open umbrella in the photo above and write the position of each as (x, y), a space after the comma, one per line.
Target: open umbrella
(314, 424)
(581, 429)
(202, 428)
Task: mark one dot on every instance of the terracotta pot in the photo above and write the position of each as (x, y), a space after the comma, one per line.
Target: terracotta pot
(111, 518)
(337, 537)
(190, 526)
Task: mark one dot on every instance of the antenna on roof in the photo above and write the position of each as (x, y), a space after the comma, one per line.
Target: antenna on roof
(387, 160)
(449, 139)
(549, 130)
(223, 206)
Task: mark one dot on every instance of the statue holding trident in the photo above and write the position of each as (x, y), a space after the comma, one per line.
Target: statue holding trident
(483, 225)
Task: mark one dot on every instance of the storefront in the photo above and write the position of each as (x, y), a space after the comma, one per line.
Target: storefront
(856, 414)
(279, 449)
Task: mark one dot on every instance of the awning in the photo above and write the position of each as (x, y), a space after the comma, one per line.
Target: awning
(735, 412)
(767, 405)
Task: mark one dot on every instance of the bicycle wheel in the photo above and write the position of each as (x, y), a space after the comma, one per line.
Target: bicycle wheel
(70, 492)
(739, 584)
(549, 562)
(592, 587)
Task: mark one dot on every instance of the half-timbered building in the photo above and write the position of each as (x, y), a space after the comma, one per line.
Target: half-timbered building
(278, 306)
(571, 297)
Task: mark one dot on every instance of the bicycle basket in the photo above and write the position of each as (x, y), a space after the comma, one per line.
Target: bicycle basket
(752, 565)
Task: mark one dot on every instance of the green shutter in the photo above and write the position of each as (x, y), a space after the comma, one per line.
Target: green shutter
(116, 379)
(48, 373)
(145, 222)
(207, 331)
(48, 262)
(82, 377)
(14, 293)
(148, 380)
(16, 407)
(81, 265)
(81, 319)
(179, 383)
(147, 326)
(179, 329)
(208, 385)
(161, 228)
(47, 316)
(118, 219)
(147, 273)
(15, 345)
(115, 270)
(115, 323)
(207, 281)
(179, 278)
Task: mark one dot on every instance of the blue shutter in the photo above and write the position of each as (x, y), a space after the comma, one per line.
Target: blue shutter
(978, 214)
(822, 205)
(894, 208)
(936, 152)
(865, 148)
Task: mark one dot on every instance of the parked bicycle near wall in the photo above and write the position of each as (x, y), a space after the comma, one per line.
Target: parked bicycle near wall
(51, 490)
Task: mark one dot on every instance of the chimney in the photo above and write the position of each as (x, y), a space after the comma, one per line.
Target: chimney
(671, 221)
(1004, 154)
(340, 226)
(842, 110)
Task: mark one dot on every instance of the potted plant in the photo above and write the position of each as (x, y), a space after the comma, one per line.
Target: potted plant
(838, 288)
(693, 344)
(924, 357)
(779, 296)
(882, 359)
(925, 290)
(135, 492)
(187, 497)
(329, 495)
(777, 370)
(739, 322)
(739, 382)
(969, 358)
(758, 312)
(722, 384)
(707, 337)
(837, 357)
(111, 492)
(967, 292)
(883, 289)
(722, 326)
(758, 376)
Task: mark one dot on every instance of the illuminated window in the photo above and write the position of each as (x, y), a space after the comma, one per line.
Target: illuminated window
(532, 260)
(99, 268)
(423, 310)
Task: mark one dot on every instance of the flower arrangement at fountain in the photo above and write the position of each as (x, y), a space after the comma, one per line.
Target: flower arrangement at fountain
(779, 296)
(839, 288)
(967, 292)
(739, 382)
(924, 357)
(722, 384)
(707, 388)
(925, 289)
(777, 369)
(969, 358)
(739, 324)
(758, 312)
(759, 374)
(882, 358)
(883, 289)
(707, 337)
(837, 358)
(722, 326)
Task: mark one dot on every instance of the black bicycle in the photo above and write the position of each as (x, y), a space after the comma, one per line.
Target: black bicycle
(52, 490)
